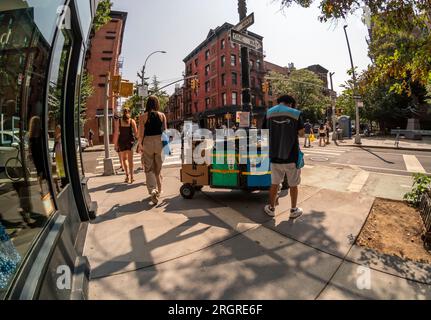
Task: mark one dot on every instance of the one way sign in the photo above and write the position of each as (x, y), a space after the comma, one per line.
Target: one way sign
(246, 40)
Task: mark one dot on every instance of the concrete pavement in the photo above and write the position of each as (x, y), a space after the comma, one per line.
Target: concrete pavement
(220, 245)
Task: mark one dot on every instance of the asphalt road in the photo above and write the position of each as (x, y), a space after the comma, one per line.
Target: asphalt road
(391, 161)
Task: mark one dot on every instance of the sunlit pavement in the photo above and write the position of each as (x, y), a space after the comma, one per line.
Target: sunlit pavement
(220, 245)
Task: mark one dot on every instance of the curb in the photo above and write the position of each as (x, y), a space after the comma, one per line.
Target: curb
(384, 147)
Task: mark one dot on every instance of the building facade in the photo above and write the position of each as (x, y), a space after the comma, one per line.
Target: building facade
(103, 56)
(45, 205)
(175, 109)
(216, 64)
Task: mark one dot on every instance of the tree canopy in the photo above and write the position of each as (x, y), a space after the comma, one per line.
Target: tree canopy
(307, 89)
(102, 16)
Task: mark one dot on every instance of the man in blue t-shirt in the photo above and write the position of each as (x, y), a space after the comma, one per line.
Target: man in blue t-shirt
(285, 124)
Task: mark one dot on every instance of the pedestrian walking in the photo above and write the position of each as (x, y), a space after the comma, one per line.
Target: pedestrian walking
(328, 131)
(90, 137)
(152, 125)
(285, 124)
(308, 127)
(125, 131)
(322, 136)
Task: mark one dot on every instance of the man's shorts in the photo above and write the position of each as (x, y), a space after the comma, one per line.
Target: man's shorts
(279, 170)
(307, 135)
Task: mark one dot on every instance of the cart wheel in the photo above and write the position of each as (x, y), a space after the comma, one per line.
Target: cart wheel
(198, 188)
(187, 191)
(285, 184)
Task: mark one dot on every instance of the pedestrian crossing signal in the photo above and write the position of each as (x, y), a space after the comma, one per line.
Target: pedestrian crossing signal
(116, 84)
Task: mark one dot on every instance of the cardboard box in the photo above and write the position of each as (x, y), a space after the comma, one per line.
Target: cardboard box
(195, 174)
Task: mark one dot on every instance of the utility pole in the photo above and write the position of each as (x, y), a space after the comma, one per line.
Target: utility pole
(108, 164)
(334, 115)
(355, 91)
(246, 96)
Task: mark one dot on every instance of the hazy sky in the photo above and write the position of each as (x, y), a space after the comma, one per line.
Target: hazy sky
(178, 26)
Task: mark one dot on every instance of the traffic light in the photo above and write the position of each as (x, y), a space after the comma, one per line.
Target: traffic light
(126, 89)
(265, 87)
(194, 84)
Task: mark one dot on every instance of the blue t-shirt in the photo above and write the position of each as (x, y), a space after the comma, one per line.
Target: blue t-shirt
(283, 123)
(307, 127)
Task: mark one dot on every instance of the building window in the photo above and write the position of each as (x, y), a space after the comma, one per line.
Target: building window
(196, 63)
(233, 60)
(207, 86)
(258, 64)
(234, 98)
(207, 54)
(196, 107)
(223, 43)
(110, 37)
(224, 99)
(207, 103)
(223, 61)
(207, 70)
(223, 80)
(234, 78)
(251, 64)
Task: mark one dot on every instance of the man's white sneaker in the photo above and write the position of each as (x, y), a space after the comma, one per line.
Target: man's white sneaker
(269, 211)
(296, 213)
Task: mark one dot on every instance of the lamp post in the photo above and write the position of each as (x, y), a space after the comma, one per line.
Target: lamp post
(334, 115)
(355, 91)
(142, 74)
(246, 97)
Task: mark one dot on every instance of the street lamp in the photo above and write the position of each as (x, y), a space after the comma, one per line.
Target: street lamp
(142, 75)
(334, 116)
(355, 91)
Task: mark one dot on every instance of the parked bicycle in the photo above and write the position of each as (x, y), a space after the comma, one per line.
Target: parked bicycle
(14, 168)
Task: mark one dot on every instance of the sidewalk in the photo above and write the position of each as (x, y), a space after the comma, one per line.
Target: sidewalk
(220, 245)
(389, 143)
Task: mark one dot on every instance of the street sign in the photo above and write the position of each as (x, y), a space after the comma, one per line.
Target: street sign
(245, 23)
(126, 89)
(245, 40)
(116, 84)
(143, 91)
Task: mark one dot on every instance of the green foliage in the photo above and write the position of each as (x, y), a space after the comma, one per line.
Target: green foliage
(134, 104)
(161, 94)
(102, 16)
(307, 89)
(421, 185)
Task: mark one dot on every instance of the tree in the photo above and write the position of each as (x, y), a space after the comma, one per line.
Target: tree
(307, 89)
(102, 16)
(161, 94)
(134, 104)
(86, 91)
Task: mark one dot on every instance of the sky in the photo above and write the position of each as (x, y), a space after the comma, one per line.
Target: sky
(293, 35)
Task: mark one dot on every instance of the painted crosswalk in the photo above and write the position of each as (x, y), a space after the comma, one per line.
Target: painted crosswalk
(172, 160)
(328, 151)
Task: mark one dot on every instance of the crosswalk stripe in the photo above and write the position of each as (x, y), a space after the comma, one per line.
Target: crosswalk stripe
(413, 164)
(322, 152)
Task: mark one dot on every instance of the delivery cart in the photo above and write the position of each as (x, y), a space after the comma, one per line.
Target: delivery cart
(234, 169)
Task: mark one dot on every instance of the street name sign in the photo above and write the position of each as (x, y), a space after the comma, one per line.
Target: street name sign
(245, 23)
(246, 40)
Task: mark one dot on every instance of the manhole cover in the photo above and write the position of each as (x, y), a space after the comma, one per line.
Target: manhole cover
(319, 159)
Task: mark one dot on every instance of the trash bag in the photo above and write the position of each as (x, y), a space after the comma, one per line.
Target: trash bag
(312, 138)
(9, 258)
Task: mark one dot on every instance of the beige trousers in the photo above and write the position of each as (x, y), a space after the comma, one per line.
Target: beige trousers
(153, 161)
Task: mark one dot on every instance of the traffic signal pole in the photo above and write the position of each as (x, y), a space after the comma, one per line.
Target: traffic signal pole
(246, 96)
(108, 165)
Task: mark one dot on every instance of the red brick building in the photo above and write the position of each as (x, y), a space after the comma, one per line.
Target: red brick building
(175, 109)
(216, 63)
(103, 57)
